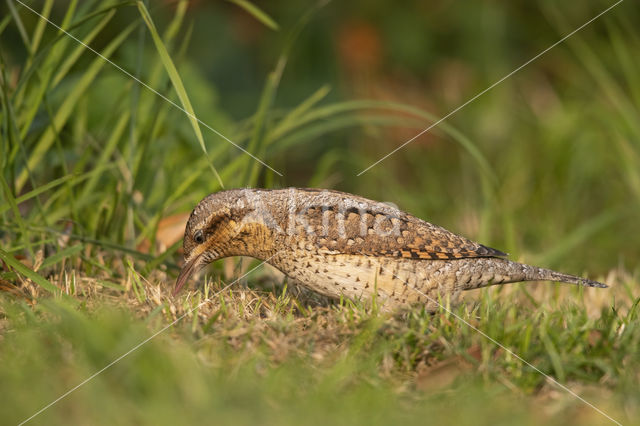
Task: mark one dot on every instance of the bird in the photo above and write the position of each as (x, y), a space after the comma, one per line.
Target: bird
(343, 245)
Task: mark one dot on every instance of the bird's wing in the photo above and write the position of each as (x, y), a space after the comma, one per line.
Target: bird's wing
(375, 229)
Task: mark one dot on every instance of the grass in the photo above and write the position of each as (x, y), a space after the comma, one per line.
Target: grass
(285, 358)
(95, 167)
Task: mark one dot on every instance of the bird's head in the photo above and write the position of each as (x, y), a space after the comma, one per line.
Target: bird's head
(227, 223)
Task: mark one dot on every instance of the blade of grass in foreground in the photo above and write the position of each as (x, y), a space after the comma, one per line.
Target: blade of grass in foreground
(177, 82)
(33, 276)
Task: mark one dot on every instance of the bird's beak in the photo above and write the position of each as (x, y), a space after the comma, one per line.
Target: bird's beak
(189, 268)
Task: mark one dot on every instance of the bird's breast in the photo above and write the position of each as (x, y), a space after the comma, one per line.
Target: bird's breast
(391, 281)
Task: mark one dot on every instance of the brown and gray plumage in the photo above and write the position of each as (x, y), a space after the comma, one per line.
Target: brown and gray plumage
(342, 244)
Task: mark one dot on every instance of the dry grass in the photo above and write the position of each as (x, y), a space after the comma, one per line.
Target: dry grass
(269, 324)
(290, 321)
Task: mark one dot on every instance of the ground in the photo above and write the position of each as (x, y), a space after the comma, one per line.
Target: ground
(263, 351)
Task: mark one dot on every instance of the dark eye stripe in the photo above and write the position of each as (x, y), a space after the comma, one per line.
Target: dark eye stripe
(199, 235)
(215, 223)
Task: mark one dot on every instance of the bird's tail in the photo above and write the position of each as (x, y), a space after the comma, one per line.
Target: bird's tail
(503, 271)
(547, 274)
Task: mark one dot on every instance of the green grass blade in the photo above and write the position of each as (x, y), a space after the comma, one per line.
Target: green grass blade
(71, 9)
(11, 201)
(174, 76)
(4, 23)
(72, 58)
(107, 151)
(65, 110)
(21, 30)
(73, 179)
(42, 23)
(291, 118)
(593, 63)
(29, 195)
(329, 112)
(188, 182)
(61, 255)
(321, 128)
(259, 129)
(257, 13)
(44, 59)
(260, 136)
(162, 257)
(34, 276)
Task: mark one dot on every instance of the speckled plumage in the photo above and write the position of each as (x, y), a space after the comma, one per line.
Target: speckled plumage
(342, 244)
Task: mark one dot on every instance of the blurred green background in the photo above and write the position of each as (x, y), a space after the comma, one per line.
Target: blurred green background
(544, 166)
(95, 167)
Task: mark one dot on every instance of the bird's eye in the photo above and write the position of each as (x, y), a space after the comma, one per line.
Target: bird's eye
(198, 236)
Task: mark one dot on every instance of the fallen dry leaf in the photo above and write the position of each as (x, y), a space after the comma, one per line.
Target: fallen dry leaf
(170, 230)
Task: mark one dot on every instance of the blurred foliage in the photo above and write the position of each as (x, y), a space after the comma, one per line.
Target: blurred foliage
(560, 137)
